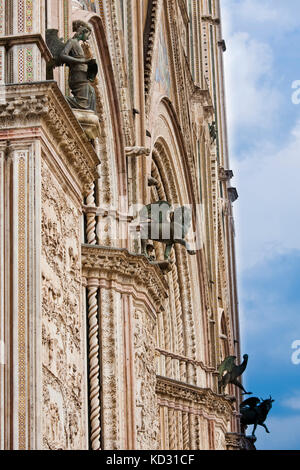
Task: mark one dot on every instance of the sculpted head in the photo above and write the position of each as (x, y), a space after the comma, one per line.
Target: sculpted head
(83, 30)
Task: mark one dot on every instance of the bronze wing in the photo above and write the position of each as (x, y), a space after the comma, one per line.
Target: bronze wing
(227, 365)
(55, 45)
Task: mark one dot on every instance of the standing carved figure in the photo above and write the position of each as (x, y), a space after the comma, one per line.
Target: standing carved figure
(82, 72)
(213, 131)
(255, 411)
(232, 373)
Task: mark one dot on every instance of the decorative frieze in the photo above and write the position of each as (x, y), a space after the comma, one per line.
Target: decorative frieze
(125, 269)
(211, 403)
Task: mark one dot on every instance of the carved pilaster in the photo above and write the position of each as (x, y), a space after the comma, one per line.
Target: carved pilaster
(19, 292)
(2, 17)
(2, 65)
(3, 319)
(25, 60)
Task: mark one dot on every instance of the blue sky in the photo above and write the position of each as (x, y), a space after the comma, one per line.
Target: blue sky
(261, 63)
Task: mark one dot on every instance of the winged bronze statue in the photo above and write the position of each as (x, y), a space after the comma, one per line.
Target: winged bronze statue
(160, 223)
(82, 70)
(255, 411)
(233, 371)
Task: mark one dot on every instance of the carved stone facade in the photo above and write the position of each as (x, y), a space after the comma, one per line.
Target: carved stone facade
(102, 347)
(64, 381)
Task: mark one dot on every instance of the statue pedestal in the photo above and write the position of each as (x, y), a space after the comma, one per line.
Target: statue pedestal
(89, 122)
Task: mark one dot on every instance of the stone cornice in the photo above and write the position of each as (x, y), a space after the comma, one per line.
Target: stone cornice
(209, 401)
(22, 39)
(127, 269)
(42, 105)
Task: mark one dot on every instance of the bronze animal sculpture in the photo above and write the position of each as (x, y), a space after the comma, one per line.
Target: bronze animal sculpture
(213, 131)
(159, 223)
(232, 373)
(255, 411)
(82, 71)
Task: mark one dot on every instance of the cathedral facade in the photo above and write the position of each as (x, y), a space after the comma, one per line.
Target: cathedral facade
(106, 342)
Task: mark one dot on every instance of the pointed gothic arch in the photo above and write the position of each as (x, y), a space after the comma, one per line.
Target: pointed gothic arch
(171, 168)
(111, 190)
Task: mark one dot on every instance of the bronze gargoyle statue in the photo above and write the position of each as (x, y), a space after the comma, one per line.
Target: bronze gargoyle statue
(232, 373)
(82, 71)
(255, 411)
(159, 223)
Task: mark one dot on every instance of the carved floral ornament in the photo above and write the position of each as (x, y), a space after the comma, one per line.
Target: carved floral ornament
(43, 105)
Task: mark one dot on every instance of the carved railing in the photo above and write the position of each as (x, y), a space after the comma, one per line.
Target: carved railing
(185, 370)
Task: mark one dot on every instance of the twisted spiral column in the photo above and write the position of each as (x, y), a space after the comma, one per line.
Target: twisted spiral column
(172, 429)
(198, 432)
(192, 431)
(91, 217)
(186, 431)
(94, 375)
(94, 369)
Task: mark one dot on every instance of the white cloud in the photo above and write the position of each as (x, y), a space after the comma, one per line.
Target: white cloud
(268, 216)
(293, 402)
(268, 219)
(252, 99)
(273, 15)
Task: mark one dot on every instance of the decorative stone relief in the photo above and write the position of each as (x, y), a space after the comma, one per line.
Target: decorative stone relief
(62, 325)
(220, 440)
(147, 420)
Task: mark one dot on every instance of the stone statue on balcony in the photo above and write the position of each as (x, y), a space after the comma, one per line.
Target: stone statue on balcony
(232, 373)
(213, 131)
(159, 223)
(255, 411)
(82, 72)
